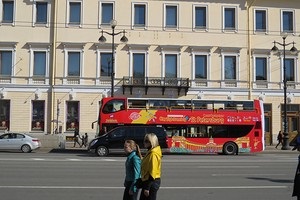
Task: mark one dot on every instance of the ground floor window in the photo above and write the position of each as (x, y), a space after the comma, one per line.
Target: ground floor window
(38, 116)
(4, 114)
(72, 115)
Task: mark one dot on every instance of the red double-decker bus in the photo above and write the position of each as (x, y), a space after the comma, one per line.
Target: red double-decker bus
(193, 126)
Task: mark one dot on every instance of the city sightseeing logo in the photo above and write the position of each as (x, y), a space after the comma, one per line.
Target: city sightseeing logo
(134, 116)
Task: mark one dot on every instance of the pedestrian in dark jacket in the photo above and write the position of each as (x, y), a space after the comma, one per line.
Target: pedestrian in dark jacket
(133, 169)
(297, 145)
(279, 138)
(76, 137)
(296, 191)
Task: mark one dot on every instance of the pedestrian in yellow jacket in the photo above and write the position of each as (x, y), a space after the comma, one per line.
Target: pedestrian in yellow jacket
(151, 168)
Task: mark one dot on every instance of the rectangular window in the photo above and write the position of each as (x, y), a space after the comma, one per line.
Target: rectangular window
(138, 65)
(5, 63)
(106, 65)
(290, 69)
(139, 15)
(200, 17)
(230, 68)
(201, 66)
(261, 68)
(72, 115)
(75, 13)
(74, 64)
(4, 114)
(288, 21)
(229, 19)
(171, 16)
(38, 116)
(8, 11)
(171, 66)
(260, 21)
(41, 12)
(107, 10)
(39, 65)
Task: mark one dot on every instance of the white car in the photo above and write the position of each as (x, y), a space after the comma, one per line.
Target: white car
(19, 141)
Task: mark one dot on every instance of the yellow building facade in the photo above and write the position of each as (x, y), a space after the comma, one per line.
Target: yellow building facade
(54, 71)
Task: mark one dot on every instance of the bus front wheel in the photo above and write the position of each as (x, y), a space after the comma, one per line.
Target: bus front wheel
(101, 151)
(230, 148)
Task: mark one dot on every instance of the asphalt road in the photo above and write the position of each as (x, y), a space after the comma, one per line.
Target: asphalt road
(79, 175)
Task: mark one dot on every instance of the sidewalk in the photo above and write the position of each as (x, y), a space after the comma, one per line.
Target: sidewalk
(272, 149)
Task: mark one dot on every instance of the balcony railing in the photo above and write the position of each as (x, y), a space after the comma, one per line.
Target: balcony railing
(155, 82)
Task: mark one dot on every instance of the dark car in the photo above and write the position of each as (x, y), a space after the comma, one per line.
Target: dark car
(113, 141)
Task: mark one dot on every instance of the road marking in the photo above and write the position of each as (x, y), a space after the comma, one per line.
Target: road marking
(38, 159)
(73, 159)
(261, 175)
(229, 187)
(228, 166)
(88, 187)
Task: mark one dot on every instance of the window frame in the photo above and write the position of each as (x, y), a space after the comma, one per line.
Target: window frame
(169, 27)
(295, 67)
(9, 47)
(134, 26)
(36, 47)
(282, 21)
(207, 55)
(266, 21)
(13, 14)
(195, 20)
(103, 48)
(235, 53)
(34, 14)
(73, 24)
(101, 2)
(268, 74)
(69, 66)
(177, 63)
(34, 122)
(235, 28)
(131, 71)
(68, 124)
(73, 47)
(5, 115)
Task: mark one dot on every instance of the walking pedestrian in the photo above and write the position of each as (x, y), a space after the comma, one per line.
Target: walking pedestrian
(297, 143)
(76, 137)
(84, 140)
(151, 168)
(296, 190)
(132, 169)
(279, 138)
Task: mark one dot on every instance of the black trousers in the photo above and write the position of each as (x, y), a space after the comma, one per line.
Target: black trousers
(126, 195)
(152, 192)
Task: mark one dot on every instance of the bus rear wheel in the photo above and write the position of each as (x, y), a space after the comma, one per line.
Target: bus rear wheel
(230, 148)
(101, 151)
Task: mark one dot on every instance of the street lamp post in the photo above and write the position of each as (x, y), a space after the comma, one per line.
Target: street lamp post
(102, 39)
(293, 50)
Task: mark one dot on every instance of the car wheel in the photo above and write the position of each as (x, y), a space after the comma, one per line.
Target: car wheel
(101, 151)
(26, 148)
(229, 148)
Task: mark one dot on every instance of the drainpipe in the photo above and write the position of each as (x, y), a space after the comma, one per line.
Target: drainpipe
(53, 59)
(249, 61)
